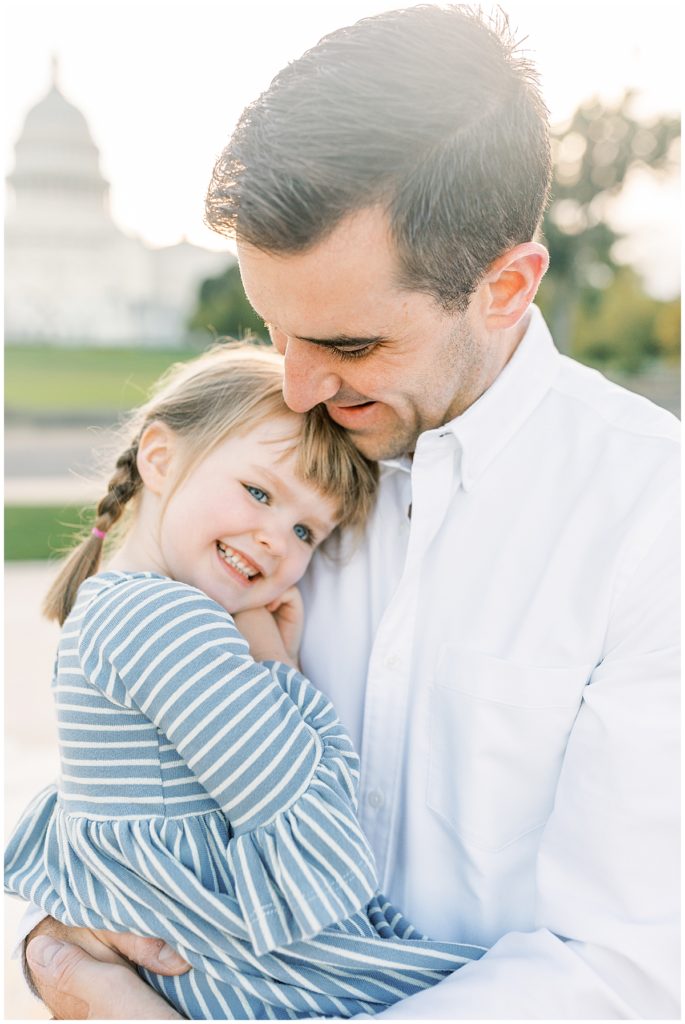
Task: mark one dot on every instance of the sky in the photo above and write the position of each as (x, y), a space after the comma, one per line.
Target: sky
(163, 82)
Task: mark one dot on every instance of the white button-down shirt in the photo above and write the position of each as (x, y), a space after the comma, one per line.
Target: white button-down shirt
(502, 646)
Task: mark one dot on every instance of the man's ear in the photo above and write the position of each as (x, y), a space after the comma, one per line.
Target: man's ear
(511, 282)
(157, 447)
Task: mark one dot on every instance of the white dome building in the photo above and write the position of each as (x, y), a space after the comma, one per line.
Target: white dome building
(71, 275)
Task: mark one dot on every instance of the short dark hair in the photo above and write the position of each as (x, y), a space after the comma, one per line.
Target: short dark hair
(430, 113)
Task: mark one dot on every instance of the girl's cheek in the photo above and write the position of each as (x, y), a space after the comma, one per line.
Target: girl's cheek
(294, 572)
(304, 564)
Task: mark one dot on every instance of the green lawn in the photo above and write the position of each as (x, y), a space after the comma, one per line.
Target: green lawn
(38, 532)
(45, 378)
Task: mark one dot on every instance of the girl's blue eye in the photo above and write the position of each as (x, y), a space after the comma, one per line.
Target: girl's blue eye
(303, 533)
(257, 493)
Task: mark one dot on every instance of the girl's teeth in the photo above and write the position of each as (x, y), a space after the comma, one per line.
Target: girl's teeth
(237, 563)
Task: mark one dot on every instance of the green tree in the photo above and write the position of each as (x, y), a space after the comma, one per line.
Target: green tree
(593, 156)
(667, 330)
(223, 308)
(625, 328)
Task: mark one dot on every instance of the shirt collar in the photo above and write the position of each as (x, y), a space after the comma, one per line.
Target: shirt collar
(487, 426)
(484, 429)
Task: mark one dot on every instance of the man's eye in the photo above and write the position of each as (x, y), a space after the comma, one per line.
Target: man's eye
(352, 353)
(303, 533)
(257, 493)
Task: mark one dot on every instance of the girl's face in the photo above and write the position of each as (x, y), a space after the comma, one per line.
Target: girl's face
(240, 525)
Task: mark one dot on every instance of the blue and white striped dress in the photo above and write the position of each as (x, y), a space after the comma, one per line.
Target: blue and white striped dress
(210, 800)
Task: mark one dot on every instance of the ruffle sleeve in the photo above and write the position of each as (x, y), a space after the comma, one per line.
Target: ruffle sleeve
(27, 859)
(311, 865)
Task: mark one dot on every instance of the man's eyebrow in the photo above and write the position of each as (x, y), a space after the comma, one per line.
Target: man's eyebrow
(345, 340)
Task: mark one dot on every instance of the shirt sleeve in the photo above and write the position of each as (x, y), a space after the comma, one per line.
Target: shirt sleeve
(263, 742)
(606, 945)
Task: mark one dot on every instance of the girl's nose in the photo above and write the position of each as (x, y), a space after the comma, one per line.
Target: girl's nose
(273, 538)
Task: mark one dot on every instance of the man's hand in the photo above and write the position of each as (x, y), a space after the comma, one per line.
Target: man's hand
(82, 974)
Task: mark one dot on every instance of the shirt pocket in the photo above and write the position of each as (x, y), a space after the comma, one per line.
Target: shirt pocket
(498, 734)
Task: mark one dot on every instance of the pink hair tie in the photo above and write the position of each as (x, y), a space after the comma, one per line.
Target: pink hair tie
(99, 533)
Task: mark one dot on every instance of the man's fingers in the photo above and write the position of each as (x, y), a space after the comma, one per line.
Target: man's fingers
(154, 954)
(77, 987)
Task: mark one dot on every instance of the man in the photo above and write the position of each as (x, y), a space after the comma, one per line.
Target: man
(502, 646)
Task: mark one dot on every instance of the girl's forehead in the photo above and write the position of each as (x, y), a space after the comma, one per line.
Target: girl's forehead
(280, 431)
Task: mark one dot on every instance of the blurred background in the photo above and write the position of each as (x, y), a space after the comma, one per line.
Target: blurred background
(114, 114)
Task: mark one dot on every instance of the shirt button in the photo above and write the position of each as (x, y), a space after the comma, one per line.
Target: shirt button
(375, 799)
(394, 662)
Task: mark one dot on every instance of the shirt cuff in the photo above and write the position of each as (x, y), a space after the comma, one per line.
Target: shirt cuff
(33, 915)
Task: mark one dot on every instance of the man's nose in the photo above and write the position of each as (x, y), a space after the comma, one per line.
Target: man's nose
(308, 376)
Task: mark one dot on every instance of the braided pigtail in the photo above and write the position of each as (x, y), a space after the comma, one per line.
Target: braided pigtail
(84, 560)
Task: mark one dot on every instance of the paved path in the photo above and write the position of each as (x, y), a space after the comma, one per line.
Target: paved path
(30, 735)
(46, 465)
(53, 450)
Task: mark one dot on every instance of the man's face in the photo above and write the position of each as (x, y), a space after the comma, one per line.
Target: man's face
(388, 363)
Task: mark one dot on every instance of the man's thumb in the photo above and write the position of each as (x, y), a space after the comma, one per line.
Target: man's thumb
(52, 964)
(76, 986)
(42, 951)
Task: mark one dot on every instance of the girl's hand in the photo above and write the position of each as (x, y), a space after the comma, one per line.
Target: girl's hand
(288, 611)
(259, 628)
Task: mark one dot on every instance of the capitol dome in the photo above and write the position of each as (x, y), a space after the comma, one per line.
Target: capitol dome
(55, 156)
(56, 144)
(71, 274)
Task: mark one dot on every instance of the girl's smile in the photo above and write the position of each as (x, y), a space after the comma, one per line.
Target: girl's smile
(238, 563)
(239, 525)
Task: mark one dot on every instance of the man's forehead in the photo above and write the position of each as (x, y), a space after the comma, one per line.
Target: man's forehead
(314, 319)
(354, 265)
(317, 319)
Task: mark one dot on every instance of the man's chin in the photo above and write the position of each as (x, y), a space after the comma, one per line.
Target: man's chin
(375, 429)
(379, 448)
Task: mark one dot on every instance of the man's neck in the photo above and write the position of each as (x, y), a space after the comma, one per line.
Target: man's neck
(501, 348)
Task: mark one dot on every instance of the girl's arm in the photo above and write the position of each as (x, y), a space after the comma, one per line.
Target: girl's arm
(263, 742)
(174, 654)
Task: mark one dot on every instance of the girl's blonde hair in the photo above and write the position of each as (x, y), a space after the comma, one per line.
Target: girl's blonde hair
(229, 389)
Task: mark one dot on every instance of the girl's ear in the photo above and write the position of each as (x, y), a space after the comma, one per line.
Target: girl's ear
(157, 447)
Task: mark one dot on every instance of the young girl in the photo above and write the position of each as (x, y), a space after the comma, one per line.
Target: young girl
(208, 793)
